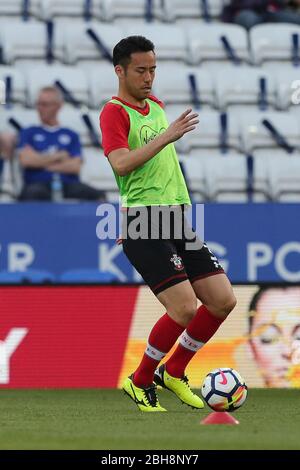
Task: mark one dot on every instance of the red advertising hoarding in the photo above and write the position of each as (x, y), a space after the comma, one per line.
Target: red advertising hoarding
(63, 336)
(94, 336)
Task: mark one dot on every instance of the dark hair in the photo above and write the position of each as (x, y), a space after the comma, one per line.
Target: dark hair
(127, 46)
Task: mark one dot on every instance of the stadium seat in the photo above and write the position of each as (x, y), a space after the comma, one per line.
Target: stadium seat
(261, 178)
(208, 135)
(73, 78)
(205, 44)
(251, 86)
(273, 42)
(103, 84)
(28, 40)
(15, 8)
(80, 46)
(175, 9)
(22, 116)
(18, 86)
(170, 41)
(112, 9)
(256, 136)
(285, 79)
(36, 276)
(68, 8)
(73, 118)
(285, 179)
(7, 182)
(195, 178)
(32, 276)
(7, 277)
(181, 90)
(87, 276)
(226, 178)
(96, 171)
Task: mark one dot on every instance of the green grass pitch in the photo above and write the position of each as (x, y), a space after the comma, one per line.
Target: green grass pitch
(106, 419)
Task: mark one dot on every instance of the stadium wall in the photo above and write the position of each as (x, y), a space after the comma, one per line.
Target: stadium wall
(254, 242)
(93, 336)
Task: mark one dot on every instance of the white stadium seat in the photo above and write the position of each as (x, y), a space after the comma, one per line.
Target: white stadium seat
(67, 8)
(174, 9)
(73, 78)
(24, 117)
(169, 40)
(103, 84)
(133, 9)
(179, 90)
(226, 178)
(27, 40)
(17, 83)
(195, 177)
(67, 117)
(72, 118)
(285, 179)
(205, 44)
(207, 134)
(96, 170)
(272, 42)
(261, 177)
(256, 136)
(288, 86)
(79, 46)
(15, 8)
(241, 86)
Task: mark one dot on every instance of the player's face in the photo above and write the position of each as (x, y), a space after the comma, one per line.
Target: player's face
(48, 106)
(275, 336)
(139, 75)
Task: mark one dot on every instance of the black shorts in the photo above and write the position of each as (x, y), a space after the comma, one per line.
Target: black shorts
(166, 261)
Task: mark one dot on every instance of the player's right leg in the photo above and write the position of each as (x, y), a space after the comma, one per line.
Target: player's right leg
(154, 259)
(181, 305)
(145, 398)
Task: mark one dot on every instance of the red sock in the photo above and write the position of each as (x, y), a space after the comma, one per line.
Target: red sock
(201, 328)
(162, 337)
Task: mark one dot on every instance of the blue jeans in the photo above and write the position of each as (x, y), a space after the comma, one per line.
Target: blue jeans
(248, 18)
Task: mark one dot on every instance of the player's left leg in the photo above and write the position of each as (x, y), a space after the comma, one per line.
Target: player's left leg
(217, 297)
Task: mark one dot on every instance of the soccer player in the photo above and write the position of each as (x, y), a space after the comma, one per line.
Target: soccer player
(139, 145)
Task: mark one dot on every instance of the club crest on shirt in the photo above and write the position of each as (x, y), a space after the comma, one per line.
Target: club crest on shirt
(177, 261)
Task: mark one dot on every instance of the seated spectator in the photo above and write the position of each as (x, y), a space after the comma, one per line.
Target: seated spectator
(249, 13)
(49, 152)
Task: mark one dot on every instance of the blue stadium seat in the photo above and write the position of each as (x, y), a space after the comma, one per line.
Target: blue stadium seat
(32, 276)
(87, 276)
(37, 276)
(7, 277)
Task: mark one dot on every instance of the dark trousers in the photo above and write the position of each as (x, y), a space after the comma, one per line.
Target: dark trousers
(76, 190)
(248, 18)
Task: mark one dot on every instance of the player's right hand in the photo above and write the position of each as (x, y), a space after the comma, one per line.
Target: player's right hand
(185, 123)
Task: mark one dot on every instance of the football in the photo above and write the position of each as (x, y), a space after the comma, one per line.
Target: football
(224, 389)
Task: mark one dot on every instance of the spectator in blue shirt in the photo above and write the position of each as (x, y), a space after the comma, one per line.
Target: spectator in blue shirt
(249, 13)
(48, 149)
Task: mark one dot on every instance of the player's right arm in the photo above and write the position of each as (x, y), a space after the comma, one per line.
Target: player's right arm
(124, 161)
